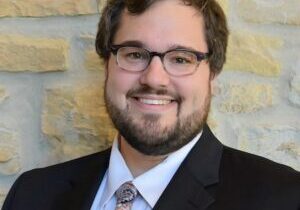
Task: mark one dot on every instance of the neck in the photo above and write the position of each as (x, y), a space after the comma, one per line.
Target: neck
(137, 162)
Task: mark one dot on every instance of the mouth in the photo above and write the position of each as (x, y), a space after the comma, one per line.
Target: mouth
(153, 103)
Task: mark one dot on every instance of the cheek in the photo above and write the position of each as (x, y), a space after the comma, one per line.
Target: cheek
(193, 94)
(119, 82)
(116, 83)
(116, 90)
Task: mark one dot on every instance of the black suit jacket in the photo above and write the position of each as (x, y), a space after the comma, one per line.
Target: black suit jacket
(212, 177)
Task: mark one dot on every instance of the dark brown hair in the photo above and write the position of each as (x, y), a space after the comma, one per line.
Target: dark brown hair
(216, 30)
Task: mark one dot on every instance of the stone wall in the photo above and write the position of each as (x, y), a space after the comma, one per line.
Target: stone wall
(51, 83)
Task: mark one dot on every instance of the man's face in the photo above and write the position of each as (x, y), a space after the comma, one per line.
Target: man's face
(155, 112)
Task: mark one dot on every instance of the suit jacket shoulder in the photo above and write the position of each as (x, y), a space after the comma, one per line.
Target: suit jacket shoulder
(216, 177)
(69, 185)
(256, 181)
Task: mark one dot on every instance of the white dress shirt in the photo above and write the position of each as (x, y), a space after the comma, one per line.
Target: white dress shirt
(150, 184)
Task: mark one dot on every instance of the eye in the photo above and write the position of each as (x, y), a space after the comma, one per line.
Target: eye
(180, 57)
(181, 60)
(134, 55)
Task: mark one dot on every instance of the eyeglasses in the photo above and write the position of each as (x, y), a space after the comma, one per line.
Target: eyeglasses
(178, 62)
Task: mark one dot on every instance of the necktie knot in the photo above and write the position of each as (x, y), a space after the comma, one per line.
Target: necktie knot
(125, 195)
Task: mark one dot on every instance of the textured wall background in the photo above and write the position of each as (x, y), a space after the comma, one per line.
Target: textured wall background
(51, 83)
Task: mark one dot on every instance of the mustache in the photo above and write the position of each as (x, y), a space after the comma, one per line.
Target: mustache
(144, 90)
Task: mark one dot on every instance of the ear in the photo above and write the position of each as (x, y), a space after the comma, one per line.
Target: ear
(213, 78)
(105, 68)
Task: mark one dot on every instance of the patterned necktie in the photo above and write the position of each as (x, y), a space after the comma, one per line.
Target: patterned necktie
(125, 196)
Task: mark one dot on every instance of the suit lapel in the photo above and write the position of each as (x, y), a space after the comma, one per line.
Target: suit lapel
(191, 185)
(83, 184)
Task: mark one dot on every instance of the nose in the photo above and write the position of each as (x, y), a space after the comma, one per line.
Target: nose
(155, 75)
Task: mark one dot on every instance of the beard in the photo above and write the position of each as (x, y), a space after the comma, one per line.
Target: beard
(148, 136)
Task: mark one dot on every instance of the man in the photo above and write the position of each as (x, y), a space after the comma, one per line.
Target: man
(161, 59)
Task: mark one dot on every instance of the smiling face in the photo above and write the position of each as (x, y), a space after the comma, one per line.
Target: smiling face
(157, 113)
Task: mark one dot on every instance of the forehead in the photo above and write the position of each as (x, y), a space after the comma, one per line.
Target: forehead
(165, 24)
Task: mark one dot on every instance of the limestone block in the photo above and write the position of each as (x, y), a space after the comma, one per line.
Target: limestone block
(75, 121)
(277, 142)
(279, 11)
(211, 121)
(244, 98)
(253, 53)
(18, 53)
(6, 154)
(224, 4)
(93, 61)
(214, 122)
(101, 4)
(39, 8)
(88, 39)
(3, 94)
(9, 152)
(3, 193)
(294, 94)
(10, 168)
(7, 137)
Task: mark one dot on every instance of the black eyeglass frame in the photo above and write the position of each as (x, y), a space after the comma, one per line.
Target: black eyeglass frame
(199, 55)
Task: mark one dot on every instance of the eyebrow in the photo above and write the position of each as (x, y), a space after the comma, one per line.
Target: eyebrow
(181, 47)
(132, 43)
(136, 43)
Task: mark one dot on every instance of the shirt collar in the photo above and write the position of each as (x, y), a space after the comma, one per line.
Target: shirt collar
(119, 173)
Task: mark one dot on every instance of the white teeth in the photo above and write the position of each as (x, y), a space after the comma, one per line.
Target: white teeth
(154, 102)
